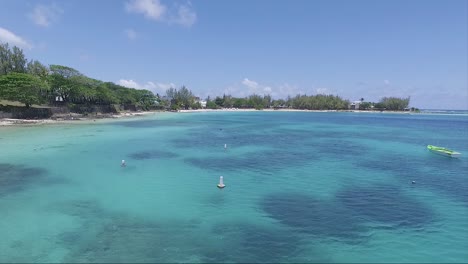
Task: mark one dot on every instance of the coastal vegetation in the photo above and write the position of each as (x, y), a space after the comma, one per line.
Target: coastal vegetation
(313, 102)
(56, 85)
(181, 99)
(387, 103)
(35, 85)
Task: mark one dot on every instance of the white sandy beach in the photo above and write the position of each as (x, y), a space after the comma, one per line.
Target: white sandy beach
(289, 110)
(251, 110)
(77, 119)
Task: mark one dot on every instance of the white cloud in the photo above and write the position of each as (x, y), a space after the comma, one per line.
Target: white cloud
(9, 37)
(129, 84)
(256, 88)
(276, 91)
(185, 16)
(249, 83)
(152, 86)
(324, 91)
(152, 9)
(131, 34)
(155, 10)
(165, 86)
(43, 15)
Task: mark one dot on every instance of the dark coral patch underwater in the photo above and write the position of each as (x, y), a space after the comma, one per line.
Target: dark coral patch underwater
(386, 205)
(152, 154)
(350, 214)
(14, 178)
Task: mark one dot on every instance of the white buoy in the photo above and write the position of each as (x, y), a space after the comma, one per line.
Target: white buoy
(123, 163)
(221, 183)
(225, 146)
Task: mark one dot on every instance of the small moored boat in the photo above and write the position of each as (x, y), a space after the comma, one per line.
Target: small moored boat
(443, 151)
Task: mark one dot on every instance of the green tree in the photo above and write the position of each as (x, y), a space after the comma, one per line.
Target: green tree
(266, 103)
(171, 93)
(18, 61)
(240, 102)
(211, 105)
(5, 59)
(395, 103)
(219, 101)
(228, 101)
(145, 99)
(34, 67)
(318, 102)
(255, 101)
(364, 106)
(104, 95)
(278, 103)
(11, 60)
(65, 82)
(21, 87)
(185, 98)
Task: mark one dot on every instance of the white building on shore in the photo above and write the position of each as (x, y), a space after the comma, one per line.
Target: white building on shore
(355, 105)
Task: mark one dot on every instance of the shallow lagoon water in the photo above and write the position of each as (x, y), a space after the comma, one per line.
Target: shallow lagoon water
(301, 187)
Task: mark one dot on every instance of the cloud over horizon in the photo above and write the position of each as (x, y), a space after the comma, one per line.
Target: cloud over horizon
(151, 9)
(248, 87)
(183, 15)
(159, 88)
(11, 38)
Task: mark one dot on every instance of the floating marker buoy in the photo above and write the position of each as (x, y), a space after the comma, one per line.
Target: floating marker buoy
(225, 146)
(123, 163)
(413, 182)
(221, 183)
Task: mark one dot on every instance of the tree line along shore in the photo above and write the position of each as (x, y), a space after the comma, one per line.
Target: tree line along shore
(32, 90)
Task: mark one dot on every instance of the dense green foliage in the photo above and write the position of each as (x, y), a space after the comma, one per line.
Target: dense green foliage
(316, 102)
(319, 102)
(11, 60)
(34, 83)
(387, 103)
(227, 101)
(181, 99)
(22, 87)
(394, 103)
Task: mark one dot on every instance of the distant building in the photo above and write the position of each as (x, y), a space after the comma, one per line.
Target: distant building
(202, 103)
(355, 105)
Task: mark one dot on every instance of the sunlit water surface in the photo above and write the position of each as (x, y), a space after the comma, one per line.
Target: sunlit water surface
(301, 187)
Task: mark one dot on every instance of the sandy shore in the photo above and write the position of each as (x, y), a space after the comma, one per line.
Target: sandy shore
(72, 119)
(252, 110)
(77, 119)
(291, 110)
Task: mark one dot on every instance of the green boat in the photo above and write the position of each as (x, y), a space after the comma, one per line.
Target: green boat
(443, 151)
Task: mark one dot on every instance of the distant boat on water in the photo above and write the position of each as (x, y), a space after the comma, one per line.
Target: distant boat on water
(443, 151)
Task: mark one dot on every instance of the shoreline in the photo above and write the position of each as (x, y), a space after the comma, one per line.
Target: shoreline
(291, 110)
(73, 119)
(78, 119)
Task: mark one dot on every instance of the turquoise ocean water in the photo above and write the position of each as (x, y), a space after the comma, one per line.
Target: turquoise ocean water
(301, 187)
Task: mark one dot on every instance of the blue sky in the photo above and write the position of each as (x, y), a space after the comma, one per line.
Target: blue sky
(353, 49)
